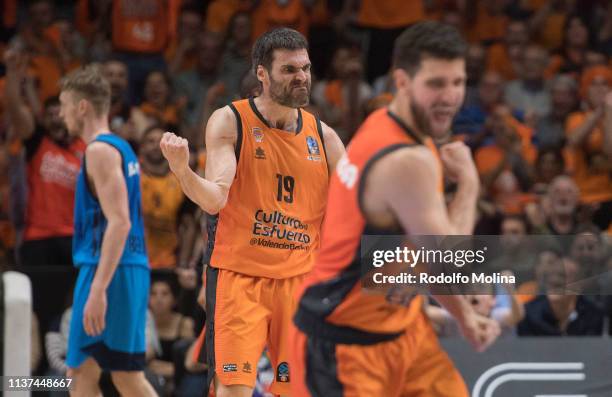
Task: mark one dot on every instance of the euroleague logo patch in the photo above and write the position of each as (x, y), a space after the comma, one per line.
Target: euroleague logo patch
(314, 153)
(282, 372)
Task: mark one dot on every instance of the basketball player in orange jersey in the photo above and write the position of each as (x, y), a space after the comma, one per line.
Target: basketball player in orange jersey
(267, 176)
(348, 342)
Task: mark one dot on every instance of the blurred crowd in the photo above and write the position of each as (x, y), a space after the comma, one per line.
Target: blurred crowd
(537, 116)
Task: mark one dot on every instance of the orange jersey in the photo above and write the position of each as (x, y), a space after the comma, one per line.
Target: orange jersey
(332, 297)
(271, 222)
(140, 25)
(390, 14)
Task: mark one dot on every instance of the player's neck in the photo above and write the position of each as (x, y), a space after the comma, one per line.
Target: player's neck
(401, 108)
(277, 116)
(94, 126)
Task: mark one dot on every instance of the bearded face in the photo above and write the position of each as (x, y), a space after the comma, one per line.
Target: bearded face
(435, 93)
(288, 79)
(294, 94)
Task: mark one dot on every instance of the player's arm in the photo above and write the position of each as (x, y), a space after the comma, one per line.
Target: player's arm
(408, 181)
(334, 148)
(459, 165)
(209, 193)
(104, 168)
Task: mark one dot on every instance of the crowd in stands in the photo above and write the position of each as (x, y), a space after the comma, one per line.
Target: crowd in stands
(537, 116)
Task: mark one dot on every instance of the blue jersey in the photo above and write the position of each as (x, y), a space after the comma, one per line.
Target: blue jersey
(90, 222)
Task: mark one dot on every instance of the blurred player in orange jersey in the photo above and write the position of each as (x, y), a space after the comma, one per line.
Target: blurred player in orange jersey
(267, 175)
(351, 343)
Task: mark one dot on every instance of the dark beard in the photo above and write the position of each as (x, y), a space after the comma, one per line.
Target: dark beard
(420, 117)
(285, 97)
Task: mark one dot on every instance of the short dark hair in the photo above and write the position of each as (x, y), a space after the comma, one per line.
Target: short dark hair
(430, 38)
(276, 39)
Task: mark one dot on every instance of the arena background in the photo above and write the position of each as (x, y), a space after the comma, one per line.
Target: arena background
(537, 116)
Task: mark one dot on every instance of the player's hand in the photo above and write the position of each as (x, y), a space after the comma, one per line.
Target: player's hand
(458, 163)
(95, 313)
(480, 331)
(176, 150)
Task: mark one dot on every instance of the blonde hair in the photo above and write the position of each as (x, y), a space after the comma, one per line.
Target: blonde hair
(90, 84)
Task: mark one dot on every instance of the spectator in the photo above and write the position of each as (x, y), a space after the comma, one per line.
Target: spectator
(558, 314)
(505, 167)
(589, 137)
(193, 85)
(181, 52)
(140, 32)
(53, 158)
(383, 21)
(475, 63)
(589, 251)
(471, 118)
(570, 57)
(163, 206)
(548, 165)
(486, 20)
(528, 94)
(557, 212)
(71, 46)
(605, 33)
(516, 249)
(41, 40)
(116, 73)
(158, 104)
(270, 14)
(219, 13)
(171, 328)
(236, 59)
(342, 98)
(506, 57)
(249, 86)
(547, 21)
(550, 129)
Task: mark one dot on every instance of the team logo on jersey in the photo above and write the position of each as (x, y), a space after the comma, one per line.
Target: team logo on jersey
(314, 153)
(247, 368)
(282, 372)
(260, 153)
(258, 134)
(230, 368)
(133, 168)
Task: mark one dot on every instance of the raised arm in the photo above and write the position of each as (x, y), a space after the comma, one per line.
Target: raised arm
(20, 115)
(209, 193)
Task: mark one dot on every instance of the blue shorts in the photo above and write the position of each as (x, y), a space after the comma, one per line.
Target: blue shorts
(121, 346)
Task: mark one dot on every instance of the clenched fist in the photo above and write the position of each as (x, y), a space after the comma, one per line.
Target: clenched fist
(458, 164)
(176, 150)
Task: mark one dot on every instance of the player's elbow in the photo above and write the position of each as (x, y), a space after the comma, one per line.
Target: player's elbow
(218, 200)
(120, 225)
(215, 206)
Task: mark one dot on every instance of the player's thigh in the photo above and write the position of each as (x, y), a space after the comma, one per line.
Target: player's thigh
(239, 324)
(282, 302)
(432, 373)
